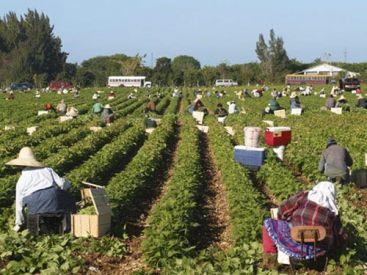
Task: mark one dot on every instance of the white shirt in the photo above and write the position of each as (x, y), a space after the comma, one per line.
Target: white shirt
(232, 108)
(32, 180)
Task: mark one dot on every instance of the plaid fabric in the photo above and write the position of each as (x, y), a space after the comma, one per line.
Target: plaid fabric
(280, 233)
(298, 210)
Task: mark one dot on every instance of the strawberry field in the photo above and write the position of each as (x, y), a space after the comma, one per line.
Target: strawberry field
(180, 203)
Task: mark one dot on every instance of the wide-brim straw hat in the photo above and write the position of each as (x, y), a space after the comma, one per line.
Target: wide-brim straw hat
(25, 158)
(107, 106)
(293, 95)
(342, 98)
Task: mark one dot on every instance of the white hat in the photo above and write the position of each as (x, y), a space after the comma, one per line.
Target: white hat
(25, 158)
(107, 106)
(359, 96)
(342, 98)
(293, 95)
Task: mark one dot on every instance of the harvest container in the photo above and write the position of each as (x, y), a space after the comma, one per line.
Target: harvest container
(277, 136)
(95, 225)
(250, 157)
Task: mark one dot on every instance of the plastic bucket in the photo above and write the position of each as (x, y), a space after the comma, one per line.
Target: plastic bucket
(279, 151)
(252, 135)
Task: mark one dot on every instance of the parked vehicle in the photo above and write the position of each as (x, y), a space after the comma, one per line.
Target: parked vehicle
(128, 81)
(23, 86)
(225, 83)
(57, 85)
(349, 83)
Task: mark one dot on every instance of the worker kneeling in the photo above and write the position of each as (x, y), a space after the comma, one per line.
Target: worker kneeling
(42, 191)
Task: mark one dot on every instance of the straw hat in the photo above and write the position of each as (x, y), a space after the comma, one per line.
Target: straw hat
(107, 106)
(359, 96)
(342, 98)
(293, 95)
(25, 158)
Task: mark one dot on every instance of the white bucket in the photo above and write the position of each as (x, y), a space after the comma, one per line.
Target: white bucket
(221, 119)
(279, 151)
(252, 135)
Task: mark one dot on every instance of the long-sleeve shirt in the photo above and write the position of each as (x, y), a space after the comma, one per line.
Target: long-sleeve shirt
(335, 160)
(232, 108)
(32, 180)
(298, 210)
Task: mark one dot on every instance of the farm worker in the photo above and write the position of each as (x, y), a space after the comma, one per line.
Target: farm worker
(232, 108)
(220, 113)
(39, 189)
(330, 102)
(10, 96)
(295, 102)
(38, 95)
(48, 107)
(111, 95)
(95, 96)
(72, 112)
(107, 115)
(361, 102)
(150, 106)
(274, 93)
(199, 106)
(97, 108)
(314, 207)
(61, 108)
(343, 103)
(334, 162)
(190, 108)
(273, 105)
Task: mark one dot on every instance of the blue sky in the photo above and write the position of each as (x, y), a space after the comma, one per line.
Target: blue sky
(213, 31)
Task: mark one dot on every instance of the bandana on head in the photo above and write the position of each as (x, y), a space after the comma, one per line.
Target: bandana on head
(324, 194)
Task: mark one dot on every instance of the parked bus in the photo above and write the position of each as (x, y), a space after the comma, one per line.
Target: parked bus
(225, 83)
(300, 79)
(128, 81)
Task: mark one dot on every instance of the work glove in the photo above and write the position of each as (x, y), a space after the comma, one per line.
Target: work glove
(16, 228)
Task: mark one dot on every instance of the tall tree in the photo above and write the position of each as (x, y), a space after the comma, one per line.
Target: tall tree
(273, 57)
(162, 71)
(185, 70)
(28, 47)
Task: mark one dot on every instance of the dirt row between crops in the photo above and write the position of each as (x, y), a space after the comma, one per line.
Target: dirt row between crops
(215, 227)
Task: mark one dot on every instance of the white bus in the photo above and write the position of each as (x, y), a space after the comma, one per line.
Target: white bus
(225, 83)
(128, 81)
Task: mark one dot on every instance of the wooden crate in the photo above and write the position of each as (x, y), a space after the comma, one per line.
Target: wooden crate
(93, 225)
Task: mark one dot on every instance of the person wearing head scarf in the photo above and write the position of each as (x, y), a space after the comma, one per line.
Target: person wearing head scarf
(314, 207)
(330, 102)
(334, 162)
(39, 188)
(107, 115)
(343, 103)
(61, 108)
(361, 102)
(232, 107)
(295, 103)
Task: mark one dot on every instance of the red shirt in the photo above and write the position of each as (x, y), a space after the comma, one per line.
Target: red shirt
(298, 210)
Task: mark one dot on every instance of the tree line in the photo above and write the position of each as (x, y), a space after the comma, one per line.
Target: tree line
(29, 51)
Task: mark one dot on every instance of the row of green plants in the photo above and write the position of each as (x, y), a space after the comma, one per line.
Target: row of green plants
(110, 158)
(172, 223)
(246, 204)
(125, 188)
